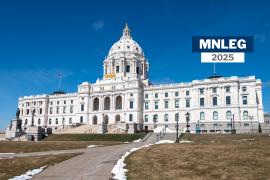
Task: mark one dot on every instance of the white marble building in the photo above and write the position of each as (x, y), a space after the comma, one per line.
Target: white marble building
(125, 96)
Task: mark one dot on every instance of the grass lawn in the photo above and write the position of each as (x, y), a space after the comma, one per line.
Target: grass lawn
(17, 166)
(17, 147)
(209, 157)
(95, 137)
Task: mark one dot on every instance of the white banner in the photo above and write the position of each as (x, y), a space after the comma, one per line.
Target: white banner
(222, 57)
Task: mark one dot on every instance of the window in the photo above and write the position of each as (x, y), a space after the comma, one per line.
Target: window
(156, 95)
(166, 104)
(228, 115)
(63, 121)
(96, 104)
(64, 110)
(227, 88)
(244, 99)
(56, 121)
(131, 104)
(138, 70)
(244, 88)
(176, 103)
(130, 117)
(118, 102)
(82, 107)
(127, 68)
(214, 90)
(187, 103)
(228, 100)
(201, 101)
(201, 90)
(65, 102)
(107, 102)
(50, 121)
(27, 111)
(71, 110)
(146, 105)
(187, 93)
(146, 96)
(51, 103)
(166, 94)
(176, 94)
(70, 121)
(214, 101)
(146, 118)
(40, 103)
(57, 110)
(215, 115)
(40, 111)
(245, 115)
(166, 117)
(25, 122)
(81, 119)
(229, 125)
(71, 101)
(39, 121)
(155, 118)
(202, 116)
(117, 69)
(156, 104)
(246, 124)
(51, 110)
(57, 102)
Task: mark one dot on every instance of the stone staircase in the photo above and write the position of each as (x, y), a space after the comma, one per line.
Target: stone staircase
(117, 128)
(83, 129)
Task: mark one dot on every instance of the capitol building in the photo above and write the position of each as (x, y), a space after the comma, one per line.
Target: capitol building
(125, 101)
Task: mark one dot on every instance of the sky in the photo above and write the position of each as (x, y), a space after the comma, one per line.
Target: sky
(39, 39)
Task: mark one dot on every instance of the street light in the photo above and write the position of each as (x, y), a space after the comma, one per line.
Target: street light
(233, 130)
(251, 118)
(187, 120)
(177, 127)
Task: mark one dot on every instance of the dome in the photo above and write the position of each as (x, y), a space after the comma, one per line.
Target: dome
(126, 45)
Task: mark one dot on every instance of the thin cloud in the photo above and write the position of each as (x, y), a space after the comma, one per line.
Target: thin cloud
(98, 25)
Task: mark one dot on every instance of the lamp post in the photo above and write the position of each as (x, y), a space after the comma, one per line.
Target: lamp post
(251, 118)
(187, 121)
(233, 131)
(177, 127)
(198, 127)
(155, 121)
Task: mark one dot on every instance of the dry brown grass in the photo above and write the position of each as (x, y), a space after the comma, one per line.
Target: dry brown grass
(17, 166)
(209, 157)
(16, 147)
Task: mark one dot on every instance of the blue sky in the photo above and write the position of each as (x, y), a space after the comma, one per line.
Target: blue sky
(38, 39)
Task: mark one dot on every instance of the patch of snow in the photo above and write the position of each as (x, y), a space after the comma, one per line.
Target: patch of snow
(158, 129)
(29, 174)
(119, 171)
(137, 140)
(91, 146)
(126, 142)
(184, 141)
(168, 130)
(165, 142)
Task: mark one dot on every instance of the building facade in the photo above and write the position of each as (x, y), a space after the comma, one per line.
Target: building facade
(125, 96)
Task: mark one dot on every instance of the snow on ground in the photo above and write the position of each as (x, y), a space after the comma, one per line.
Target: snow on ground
(126, 142)
(168, 130)
(119, 171)
(137, 140)
(91, 146)
(158, 129)
(29, 174)
(165, 142)
(184, 141)
(7, 153)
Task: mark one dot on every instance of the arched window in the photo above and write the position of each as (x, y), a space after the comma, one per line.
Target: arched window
(56, 121)
(245, 115)
(82, 107)
(70, 120)
(50, 121)
(39, 121)
(228, 115)
(166, 117)
(96, 104)
(146, 118)
(95, 119)
(81, 119)
(106, 119)
(107, 103)
(118, 102)
(117, 118)
(202, 116)
(215, 115)
(130, 117)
